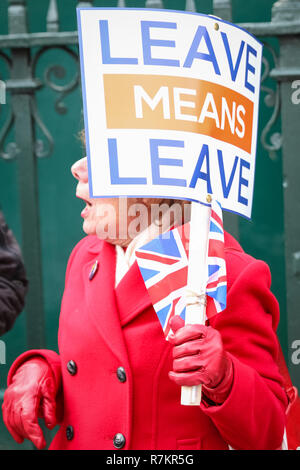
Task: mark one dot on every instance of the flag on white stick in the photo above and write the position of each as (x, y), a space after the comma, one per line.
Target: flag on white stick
(164, 261)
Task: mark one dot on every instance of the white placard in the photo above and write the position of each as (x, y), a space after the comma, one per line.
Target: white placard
(170, 104)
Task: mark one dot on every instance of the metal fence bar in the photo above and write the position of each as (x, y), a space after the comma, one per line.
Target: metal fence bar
(22, 88)
(26, 40)
(223, 9)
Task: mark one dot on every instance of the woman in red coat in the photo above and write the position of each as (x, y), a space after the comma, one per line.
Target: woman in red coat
(115, 383)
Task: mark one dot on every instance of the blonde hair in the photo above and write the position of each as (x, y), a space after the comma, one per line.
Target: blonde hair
(81, 137)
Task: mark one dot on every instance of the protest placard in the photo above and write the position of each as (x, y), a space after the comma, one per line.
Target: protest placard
(171, 105)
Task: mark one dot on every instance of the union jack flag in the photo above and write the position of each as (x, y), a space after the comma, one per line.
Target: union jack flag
(163, 263)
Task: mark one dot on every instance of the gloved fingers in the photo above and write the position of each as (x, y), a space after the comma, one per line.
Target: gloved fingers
(176, 322)
(190, 378)
(190, 348)
(48, 404)
(188, 333)
(49, 413)
(10, 423)
(26, 425)
(189, 363)
(32, 431)
(18, 422)
(19, 439)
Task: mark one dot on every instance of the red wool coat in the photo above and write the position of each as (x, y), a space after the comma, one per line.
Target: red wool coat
(102, 329)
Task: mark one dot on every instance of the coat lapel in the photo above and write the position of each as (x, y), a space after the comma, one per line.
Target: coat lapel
(131, 295)
(101, 300)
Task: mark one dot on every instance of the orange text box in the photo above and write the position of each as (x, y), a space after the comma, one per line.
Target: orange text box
(180, 104)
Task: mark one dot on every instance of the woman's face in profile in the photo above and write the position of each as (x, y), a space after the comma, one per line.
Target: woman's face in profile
(105, 217)
(92, 213)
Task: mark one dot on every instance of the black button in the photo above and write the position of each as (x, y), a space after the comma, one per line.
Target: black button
(121, 374)
(119, 441)
(72, 367)
(69, 433)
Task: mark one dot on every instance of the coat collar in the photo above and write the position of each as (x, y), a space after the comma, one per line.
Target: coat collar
(131, 295)
(95, 244)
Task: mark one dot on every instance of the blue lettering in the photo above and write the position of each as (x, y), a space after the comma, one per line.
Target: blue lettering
(114, 166)
(156, 161)
(105, 47)
(200, 174)
(233, 68)
(226, 187)
(243, 182)
(148, 43)
(249, 67)
(194, 54)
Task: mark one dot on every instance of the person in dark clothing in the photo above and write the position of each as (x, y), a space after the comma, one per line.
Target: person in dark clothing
(13, 282)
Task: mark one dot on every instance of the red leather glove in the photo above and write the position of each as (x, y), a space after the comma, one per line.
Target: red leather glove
(31, 395)
(199, 358)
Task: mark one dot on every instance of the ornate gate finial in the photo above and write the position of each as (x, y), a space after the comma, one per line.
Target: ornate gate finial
(17, 17)
(190, 6)
(85, 4)
(223, 9)
(286, 10)
(52, 17)
(154, 4)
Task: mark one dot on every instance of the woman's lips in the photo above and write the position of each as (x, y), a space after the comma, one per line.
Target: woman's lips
(85, 211)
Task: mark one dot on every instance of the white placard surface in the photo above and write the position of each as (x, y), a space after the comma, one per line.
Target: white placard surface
(170, 105)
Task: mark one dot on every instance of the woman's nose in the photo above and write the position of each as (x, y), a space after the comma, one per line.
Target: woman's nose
(80, 170)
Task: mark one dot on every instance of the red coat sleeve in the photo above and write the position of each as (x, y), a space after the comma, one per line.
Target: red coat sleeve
(51, 357)
(253, 415)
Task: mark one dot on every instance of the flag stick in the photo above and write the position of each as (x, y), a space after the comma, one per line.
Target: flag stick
(197, 280)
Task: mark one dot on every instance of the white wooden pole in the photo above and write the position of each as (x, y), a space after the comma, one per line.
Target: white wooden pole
(197, 280)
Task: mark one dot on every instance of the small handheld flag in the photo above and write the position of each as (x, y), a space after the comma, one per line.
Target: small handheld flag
(163, 263)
